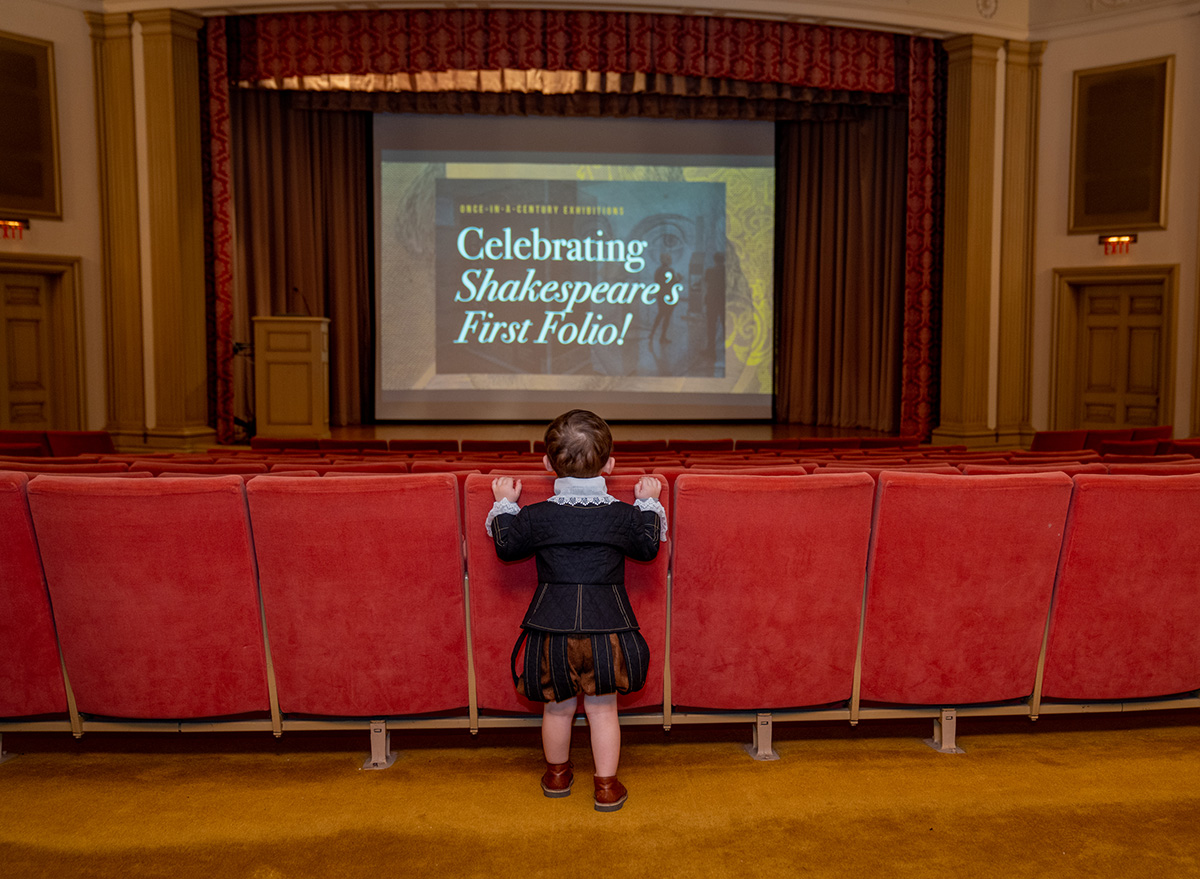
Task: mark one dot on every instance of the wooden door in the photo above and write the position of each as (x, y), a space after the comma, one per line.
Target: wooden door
(38, 357)
(1121, 367)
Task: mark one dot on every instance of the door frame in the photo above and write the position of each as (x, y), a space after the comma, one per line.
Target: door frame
(64, 274)
(1064, 333)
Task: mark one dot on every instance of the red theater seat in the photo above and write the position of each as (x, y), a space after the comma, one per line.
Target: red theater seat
(20, 450)
(79, 442)
(1169, 468)
(377, 445)
(769, 446)
(1128, 447)
(483, 445)
(31, 681)
(501, 591)
(66, 469)
(171, 468)
(347, 467)
(959, 585)
(874, 471)
(423, 445)
(1058, 441)
(154, 593)
(1127, 607)
(630, 445)
(1160, 432)
(700, 445)
(27, 438)
(272, 443)
(1097, 438)
(767, 589)
(362, 583)
(889, 442)
(752, 468)
(1069, 468)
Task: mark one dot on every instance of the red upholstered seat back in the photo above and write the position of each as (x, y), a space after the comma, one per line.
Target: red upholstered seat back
(86, 468)
(78, 442)
(362, 584)
(1058, 440)
(959, 586)
(347, 467)
(155, 595)
(31, 680)
(500, 595)
(1127, 604)
(767, 588)
(169, 468)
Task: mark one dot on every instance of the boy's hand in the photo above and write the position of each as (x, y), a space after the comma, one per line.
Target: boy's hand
(505, 488)
(647, 487)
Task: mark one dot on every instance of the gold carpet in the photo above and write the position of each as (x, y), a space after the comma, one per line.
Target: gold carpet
(1096, 796)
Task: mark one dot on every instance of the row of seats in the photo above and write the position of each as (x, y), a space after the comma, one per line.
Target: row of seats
(55, 442)
(249, 466)
(520, 446)
(280, 602)
(1158, 440)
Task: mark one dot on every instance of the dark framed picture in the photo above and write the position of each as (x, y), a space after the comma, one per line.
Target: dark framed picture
(1120, 143)
(29, 164)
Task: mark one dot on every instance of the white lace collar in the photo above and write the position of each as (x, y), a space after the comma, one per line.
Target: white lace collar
(576, 491)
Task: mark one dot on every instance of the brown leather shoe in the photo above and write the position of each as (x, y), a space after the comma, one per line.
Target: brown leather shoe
(558, 780)
(610, 794)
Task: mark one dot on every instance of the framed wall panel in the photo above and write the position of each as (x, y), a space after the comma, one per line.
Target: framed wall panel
(1120, 139)
(29, 159)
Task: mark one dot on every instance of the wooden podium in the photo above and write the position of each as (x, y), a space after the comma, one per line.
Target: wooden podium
(291, 376)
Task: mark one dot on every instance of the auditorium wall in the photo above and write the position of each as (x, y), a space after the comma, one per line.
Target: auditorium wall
(78, 233)
(1100, 35)
(1074, 48)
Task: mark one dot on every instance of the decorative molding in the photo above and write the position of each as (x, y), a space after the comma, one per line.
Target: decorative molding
(1097, 5)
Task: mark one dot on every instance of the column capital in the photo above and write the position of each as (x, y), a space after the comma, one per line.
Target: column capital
(972, 47)
(110, 25)
(169, 22)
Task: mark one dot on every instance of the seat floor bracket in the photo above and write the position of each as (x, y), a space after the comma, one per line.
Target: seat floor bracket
(382, 755)
(944, 728)
(760, 748)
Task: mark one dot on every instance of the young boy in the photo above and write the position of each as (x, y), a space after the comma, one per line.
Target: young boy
(580, 632)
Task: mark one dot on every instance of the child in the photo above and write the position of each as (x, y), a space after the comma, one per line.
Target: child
(580, 633)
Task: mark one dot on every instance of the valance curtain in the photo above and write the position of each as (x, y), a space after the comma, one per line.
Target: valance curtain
(599, 63)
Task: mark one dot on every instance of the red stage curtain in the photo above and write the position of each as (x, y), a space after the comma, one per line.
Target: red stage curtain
(277, 48)
(602, 63)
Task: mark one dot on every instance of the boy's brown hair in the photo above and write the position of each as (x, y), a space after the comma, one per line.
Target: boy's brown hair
(578, 443)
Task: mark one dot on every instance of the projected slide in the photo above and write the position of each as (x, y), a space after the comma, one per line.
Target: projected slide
(512, 285)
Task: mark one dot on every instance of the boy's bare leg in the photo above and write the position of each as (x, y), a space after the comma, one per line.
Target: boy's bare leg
(605, 729)
(557, 721)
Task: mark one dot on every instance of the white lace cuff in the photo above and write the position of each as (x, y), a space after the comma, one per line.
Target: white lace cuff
(652, 505)
(501, 506)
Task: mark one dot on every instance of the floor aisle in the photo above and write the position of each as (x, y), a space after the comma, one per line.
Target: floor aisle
(1068, 796)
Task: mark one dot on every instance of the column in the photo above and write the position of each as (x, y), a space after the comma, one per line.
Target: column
(967, 276)
(1017, 237)
(112, 54)
(179, 375)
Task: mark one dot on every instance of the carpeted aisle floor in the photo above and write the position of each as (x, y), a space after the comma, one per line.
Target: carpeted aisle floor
(1065, 797)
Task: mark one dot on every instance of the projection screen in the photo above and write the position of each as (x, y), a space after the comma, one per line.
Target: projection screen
(527, 266)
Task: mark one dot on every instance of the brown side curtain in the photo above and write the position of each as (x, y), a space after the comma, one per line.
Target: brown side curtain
(841, 249)
(302, 190)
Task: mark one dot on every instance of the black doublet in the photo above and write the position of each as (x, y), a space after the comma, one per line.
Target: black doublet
(580, 552)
